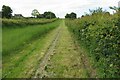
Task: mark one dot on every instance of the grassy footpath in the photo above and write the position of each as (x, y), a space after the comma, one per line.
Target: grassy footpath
(23, 64)
(15, 38)
(67, 59)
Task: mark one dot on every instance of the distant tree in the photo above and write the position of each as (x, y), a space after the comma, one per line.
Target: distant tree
(115, 8)
(35, 13)
(40, 16)
(82, 16)
(6, 12)
(53, 15)
(67, 15)
(49, 15)
(71, 15)
(97, 11)
(86, 14)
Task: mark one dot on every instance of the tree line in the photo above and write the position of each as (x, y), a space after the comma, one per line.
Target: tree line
(48, 15)
(71, 15)
(7, 13)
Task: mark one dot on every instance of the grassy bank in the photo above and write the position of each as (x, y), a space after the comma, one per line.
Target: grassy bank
(15, 38)
(99, 35)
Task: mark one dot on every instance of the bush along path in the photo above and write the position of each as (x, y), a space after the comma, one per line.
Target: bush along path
(99, 35)
(64, 59)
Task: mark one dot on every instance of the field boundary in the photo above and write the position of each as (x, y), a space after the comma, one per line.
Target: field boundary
(6, 23)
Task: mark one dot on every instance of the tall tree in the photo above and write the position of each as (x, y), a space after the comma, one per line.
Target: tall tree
(71, 15)
(49, 15)
(6, 12)
(67, 15)
(35, 13)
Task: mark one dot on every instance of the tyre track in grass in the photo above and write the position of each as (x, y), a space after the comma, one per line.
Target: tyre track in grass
(69, 60)
(64, 58)
(50, 51)
(91, 72)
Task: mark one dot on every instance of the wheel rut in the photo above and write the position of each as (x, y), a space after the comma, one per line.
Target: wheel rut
(50, 51)
(64, 58)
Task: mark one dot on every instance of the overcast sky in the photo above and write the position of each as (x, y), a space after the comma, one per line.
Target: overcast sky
(59, 7)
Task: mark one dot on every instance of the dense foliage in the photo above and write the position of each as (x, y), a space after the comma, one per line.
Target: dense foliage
(22, 22)
(35, 13)
(100, 35)
(71, 15)
(6, 12)
(47, 15)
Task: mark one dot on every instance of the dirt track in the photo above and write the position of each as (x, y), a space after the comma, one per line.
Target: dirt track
(50, 51)
(64, 58)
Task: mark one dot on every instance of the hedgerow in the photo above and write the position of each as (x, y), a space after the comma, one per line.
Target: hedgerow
(23, 22)
(100, 35)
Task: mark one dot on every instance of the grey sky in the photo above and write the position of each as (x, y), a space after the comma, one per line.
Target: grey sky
(59, 7)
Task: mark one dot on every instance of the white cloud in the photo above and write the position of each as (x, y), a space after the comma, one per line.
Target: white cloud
(59, 7)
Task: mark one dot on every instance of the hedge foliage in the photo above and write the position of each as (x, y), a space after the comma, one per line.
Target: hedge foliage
(100, 35)
(23, 22)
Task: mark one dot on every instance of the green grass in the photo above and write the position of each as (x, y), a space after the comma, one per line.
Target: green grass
(15, 38)
(23, 63)
(66, 61)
